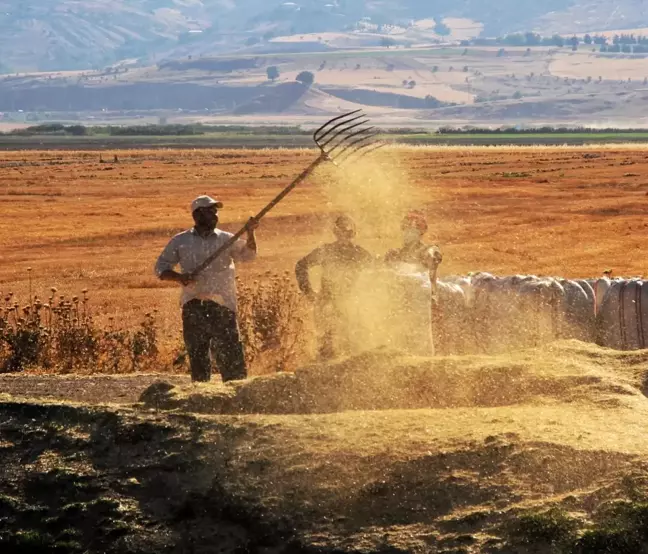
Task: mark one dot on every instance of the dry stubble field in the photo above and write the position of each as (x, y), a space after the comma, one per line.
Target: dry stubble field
(78, 223)
(82, 224)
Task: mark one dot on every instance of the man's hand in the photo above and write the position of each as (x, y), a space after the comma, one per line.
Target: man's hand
(183, 278)
(252, 225)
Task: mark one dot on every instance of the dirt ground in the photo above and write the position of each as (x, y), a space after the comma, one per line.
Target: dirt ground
(540, 451)
(91, 389)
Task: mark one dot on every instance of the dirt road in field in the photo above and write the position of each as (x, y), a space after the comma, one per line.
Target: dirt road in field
(96, 389)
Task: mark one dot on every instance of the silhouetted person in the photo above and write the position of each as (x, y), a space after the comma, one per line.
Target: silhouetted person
(340, 262)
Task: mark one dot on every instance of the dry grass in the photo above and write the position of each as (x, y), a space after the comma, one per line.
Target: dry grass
(81, 224)
(58, 333)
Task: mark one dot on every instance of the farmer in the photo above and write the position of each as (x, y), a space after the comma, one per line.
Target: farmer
(209, 298)
(413, 293)
(341, 263)
(414, 250)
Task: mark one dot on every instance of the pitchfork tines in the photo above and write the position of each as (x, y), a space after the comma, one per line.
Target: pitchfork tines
(347, 135)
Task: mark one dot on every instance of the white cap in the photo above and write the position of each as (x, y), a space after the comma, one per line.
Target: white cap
(205, 202)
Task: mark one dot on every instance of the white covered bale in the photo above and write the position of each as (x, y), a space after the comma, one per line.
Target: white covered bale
(623, 316)
(452, 320)
(578, 311)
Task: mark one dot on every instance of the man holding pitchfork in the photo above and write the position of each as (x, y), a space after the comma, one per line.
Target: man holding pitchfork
(209, 296)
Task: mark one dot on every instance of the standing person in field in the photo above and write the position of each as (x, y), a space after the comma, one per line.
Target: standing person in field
(414, 250)
(415, 267)
(340, 263)
(208, 300)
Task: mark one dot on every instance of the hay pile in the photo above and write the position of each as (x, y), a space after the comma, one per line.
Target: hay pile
(540, 451)
(385, 380)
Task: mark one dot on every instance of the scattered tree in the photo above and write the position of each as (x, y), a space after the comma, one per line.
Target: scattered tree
(435, 68)
(501, 52)
(533, 39)
(273, 73)
(557, 40)
(306, 78)
(412, 84)
(465, 69)
(387, 42)
(517, 95)
(587, 39)
(442, 29)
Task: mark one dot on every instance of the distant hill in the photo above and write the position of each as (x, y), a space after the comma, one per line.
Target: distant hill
(454, 85)
(54, 35)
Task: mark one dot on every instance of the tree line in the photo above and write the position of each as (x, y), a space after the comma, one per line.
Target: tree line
(58, 129)
(544, 130)
(531, 39)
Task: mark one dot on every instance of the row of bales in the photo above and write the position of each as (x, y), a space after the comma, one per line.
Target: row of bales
(487, 314)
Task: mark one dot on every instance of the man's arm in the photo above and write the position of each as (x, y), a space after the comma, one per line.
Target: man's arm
(167, 261)
(301, 271)
(171, 275)
(433, 257)
(366, 259)
(246, 251)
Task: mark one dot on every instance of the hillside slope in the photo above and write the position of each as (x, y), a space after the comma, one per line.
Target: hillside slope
(69, 34)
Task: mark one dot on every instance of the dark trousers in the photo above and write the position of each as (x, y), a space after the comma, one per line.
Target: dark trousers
(209, 326)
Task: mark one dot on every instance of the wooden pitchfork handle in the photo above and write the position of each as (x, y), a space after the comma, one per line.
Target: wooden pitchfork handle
(323, 157)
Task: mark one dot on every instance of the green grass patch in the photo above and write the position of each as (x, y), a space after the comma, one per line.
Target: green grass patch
(619, 527)
(553, 527)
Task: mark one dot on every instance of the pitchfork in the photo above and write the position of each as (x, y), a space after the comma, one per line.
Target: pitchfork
(339, 139)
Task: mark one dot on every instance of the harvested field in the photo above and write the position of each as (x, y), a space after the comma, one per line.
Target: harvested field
(80, 224)
(582, 66)
(541, 450)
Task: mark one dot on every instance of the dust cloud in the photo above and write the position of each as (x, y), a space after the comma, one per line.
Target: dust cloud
(386, 306)
(375, 191)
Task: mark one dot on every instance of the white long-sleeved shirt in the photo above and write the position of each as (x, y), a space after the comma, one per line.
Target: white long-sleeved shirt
(217, 281)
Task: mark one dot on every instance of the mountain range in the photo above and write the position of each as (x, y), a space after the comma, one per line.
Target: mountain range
(56, 35)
